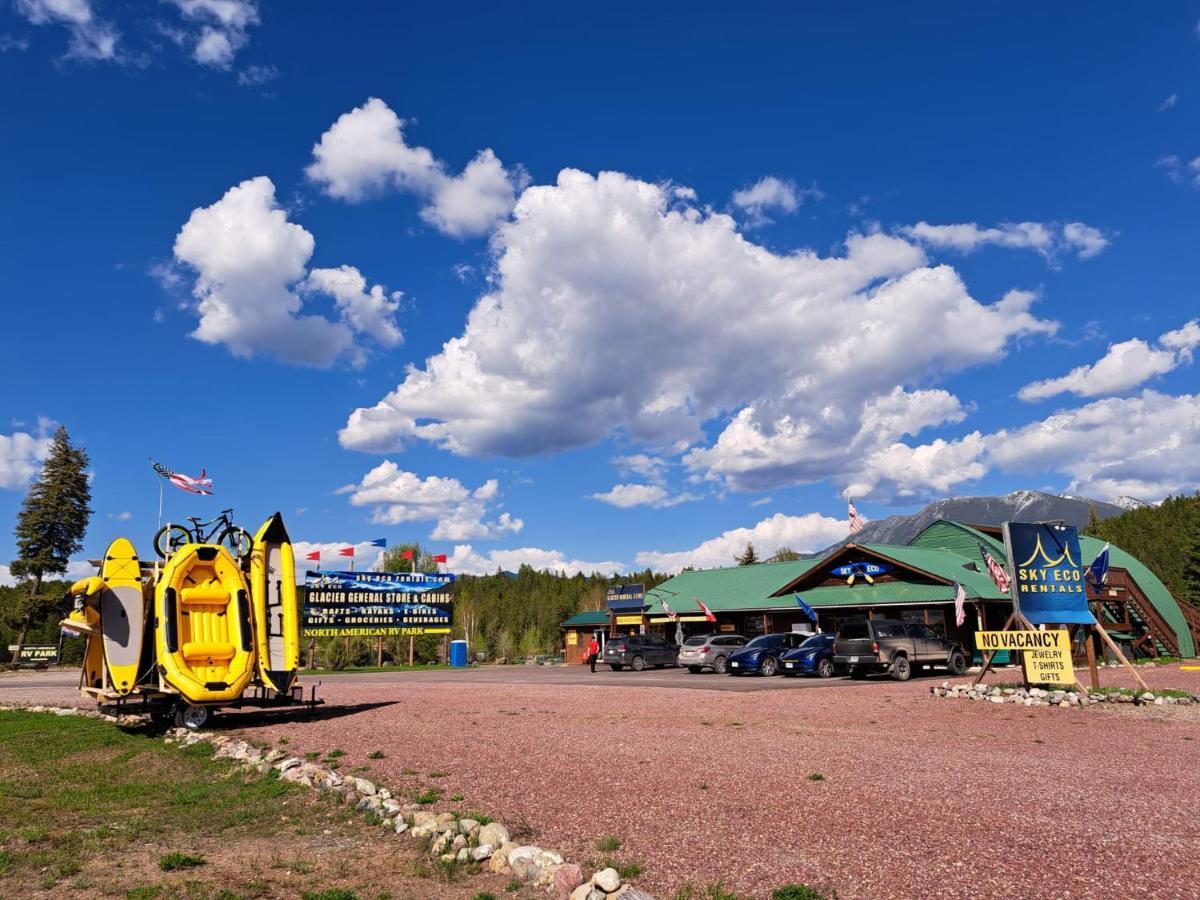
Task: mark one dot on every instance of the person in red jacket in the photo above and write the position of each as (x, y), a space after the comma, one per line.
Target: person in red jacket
(593, 652)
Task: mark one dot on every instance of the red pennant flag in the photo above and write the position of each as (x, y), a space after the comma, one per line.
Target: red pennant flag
(407, 554)
(315, 556)
(346, 551)
(708, 613)
(440, 557)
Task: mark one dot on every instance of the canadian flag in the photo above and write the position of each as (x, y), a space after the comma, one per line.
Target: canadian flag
(439, 557)
(346, 551)
(708, 613)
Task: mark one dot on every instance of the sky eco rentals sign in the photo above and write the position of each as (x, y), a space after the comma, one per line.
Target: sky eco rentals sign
(1048, 583)
(374, 604)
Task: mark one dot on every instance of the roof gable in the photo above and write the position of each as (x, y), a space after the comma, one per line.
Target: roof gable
(736, 587)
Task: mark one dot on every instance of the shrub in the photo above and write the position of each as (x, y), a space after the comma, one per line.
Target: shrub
(173, 861)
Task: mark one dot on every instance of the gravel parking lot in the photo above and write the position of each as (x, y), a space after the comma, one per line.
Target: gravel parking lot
(916, 797)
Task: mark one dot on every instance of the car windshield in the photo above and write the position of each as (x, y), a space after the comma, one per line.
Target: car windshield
(813, 642)
(697, 641)
(766, 640)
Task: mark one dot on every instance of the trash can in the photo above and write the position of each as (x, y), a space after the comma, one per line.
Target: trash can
(458, 653)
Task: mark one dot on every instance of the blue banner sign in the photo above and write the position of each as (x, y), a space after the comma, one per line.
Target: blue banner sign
(1048, 570)
(865, 570)
(386, 582)
(375, 604)
(626, 597)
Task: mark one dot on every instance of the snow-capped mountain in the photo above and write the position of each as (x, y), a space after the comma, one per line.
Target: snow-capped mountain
(1019, 506)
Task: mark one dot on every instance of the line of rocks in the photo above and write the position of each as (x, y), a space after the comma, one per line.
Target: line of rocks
(1041, 697)
(447, 837)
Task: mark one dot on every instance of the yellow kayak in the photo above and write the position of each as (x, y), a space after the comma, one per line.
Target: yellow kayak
(204, 637)
(276, 612)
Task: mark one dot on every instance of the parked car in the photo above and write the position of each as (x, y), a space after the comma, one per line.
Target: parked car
(813, 657)
(762, 654)
(888, 645)
(709, 651)
(638, 651)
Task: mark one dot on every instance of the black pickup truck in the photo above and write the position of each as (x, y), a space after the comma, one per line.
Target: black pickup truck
(864, 646)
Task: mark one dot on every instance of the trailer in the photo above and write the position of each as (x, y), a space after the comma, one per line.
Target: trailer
(167, 707)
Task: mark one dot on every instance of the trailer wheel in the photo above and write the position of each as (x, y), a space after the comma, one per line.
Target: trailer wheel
(193, 718)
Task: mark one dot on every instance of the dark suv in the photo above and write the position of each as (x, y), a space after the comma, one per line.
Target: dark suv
(888, 645)
(638, 651)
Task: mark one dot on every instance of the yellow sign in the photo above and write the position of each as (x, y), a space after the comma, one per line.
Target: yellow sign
(1047, 654)
(658, 620)
(629, 620)
(572, 638)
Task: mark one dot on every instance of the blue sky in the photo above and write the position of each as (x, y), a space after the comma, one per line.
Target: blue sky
(855, 248)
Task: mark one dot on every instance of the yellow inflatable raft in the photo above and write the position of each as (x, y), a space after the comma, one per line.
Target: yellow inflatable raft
(203, 631)
(276, 612)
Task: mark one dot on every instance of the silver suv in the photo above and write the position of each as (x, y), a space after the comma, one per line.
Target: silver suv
(708, 651)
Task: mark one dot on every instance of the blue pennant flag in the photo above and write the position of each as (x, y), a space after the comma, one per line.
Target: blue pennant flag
(808, 610)
(1098, 570)
(382, 542)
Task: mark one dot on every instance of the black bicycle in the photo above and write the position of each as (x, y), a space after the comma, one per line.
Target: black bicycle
(234, 538)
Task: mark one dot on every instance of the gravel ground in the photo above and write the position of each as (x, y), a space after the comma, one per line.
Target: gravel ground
(919, 798)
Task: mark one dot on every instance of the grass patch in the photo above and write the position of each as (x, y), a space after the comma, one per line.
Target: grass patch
(375, 754)
(438, 773)
(714, 891)
(174, 861)
(330, 894)
(513, 886)
(485, 895)
(629, 870)
(815, 776)
(338, 753)
(457, 798)
(428, 796)
(610, 844)
(797, 892)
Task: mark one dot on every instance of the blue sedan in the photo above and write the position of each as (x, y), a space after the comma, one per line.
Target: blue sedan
(813, 657)
(761, 655)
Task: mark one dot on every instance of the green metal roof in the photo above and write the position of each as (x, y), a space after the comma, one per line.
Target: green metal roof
(964, 540)
(1151, 586)
(882, 594)
(735, 588)
(586, 619)
(950, 566)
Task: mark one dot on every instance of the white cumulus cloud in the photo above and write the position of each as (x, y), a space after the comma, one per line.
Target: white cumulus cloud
(250, 260)
(625, 496)
(1142, 446)
(91, 38)
(769, 194)
(1126, 365)
(21, 456)
(614, 308)
(395, 496)
(801, 533)
(1048, 239)
(467, 560)
(219, 28)
(364, 153)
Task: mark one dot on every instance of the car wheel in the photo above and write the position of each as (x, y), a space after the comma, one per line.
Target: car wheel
(901, 668)
(769, 667)
(615, 667)
(695, 670)
(825, 668)
(638, 664)
(958, 663)
(857, 674)
(719, 665)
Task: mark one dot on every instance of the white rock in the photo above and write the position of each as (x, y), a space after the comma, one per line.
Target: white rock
(494, 833)
(401, 826)
(607, 880)
(366, 787)
(482, 852)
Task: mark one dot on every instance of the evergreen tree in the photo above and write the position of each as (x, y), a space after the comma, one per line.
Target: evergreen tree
(786, 554)
(748, 557)
(50, 526)
(1093, 523)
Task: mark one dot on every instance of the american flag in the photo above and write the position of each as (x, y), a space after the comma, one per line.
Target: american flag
(999, 576)
(671, 614)
(201, 485)
(708, 613)
(960, 605)
(856, 521)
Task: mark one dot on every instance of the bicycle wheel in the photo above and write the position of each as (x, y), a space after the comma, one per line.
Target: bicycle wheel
(170, 538)
(237, 541)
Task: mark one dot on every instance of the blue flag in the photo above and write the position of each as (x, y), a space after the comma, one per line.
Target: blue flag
(382, 542)
(808, 610)
(1098, 570)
